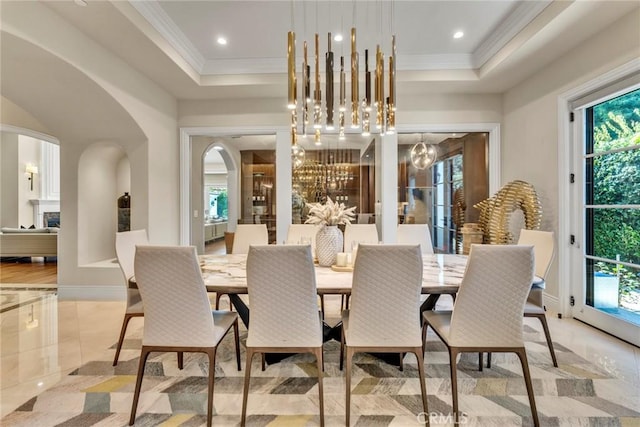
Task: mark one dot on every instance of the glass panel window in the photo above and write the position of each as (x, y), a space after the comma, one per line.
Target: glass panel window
(612, 206)
(259, 189)
(333, 173)
(435, 194)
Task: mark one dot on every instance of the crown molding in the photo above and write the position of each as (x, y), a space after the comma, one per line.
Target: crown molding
(517, 20)
(159, 19)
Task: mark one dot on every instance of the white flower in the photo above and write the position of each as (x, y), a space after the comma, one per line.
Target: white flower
(330, 213)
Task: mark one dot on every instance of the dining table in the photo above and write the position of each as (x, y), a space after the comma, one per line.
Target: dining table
(226, 274)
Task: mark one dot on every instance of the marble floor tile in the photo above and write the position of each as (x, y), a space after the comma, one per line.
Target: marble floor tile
(65, 360)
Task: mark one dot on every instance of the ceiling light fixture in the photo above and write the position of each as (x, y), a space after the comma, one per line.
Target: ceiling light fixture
(337, 38)
(222, 41)
(376, 107)
(423, 155)
(458, 35)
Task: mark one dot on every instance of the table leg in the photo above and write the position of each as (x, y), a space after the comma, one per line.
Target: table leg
(241, 308)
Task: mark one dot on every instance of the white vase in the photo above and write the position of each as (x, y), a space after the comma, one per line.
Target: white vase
(329, 242)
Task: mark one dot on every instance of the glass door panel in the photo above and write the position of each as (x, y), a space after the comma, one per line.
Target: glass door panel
(609, 297)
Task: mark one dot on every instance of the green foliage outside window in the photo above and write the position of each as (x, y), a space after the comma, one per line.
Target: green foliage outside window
(616, 178)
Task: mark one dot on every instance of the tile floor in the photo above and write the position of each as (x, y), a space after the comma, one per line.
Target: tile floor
(45, 339)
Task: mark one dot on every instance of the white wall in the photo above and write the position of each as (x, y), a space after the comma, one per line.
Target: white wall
(416, 110)
(530, 124)
(9, 180)
(152, 149)
(97, 206)
(28, 153)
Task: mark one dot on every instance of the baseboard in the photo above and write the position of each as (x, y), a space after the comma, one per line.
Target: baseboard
(551, 302)
(91, 293)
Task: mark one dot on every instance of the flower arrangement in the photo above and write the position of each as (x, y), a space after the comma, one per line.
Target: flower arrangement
(331, 213)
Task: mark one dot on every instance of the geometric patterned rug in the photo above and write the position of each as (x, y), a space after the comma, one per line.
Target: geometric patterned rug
(577, 393)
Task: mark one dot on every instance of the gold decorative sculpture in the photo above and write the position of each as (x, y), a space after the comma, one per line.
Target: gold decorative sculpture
(496, 211)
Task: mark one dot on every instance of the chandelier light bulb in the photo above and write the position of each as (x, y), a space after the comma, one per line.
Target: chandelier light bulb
(422, 155)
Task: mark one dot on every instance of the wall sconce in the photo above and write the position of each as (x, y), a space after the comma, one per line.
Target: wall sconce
(30, 171)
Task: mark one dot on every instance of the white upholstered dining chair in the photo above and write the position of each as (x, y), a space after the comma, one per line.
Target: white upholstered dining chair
(245, 236)
(385, 308)
(297, 232)
(415, 234)
(284, 315)
(543, 243)
(487, 315)
(126, 243)
(178, 315)
(360, 233)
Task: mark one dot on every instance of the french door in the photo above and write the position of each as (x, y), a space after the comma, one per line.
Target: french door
(606, 206)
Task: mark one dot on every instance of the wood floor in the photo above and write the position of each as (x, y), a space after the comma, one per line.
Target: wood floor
(20, 270)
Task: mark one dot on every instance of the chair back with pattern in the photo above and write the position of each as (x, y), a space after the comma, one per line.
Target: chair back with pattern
(126, 243)
(361, 233)
(543, 247)
(281, 283)
(385, 296)
(177, 308)
(247, 235)
(416, 234)
(490, 304)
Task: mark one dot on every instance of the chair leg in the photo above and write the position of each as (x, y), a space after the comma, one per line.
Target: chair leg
(453, 356)
(212, 375)
(342, 349)
(320, 364)
(545, 327)
(480, 361)
(401, 362)
(347, 377)
(236, 334)
(180, 360)
(263, 362)
(123, 331)
(423, 385)
(522, 354)
(322, 305)
(218, 297)
(245, 391)
(424, 336)
(144, 354)
(489, 360)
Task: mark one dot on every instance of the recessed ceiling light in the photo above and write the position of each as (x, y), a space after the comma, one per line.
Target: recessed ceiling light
(222, 40)
(458, 35)
(338, 37)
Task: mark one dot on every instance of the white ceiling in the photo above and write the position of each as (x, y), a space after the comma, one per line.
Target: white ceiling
(173, 42)
(256, 30)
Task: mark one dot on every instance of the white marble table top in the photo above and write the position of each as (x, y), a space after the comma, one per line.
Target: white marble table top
(227, 274)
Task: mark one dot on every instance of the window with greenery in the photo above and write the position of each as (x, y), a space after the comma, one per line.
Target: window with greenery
(612, 210)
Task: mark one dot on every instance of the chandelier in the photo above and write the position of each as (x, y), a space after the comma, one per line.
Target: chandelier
(423, 155)
(373, 110)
